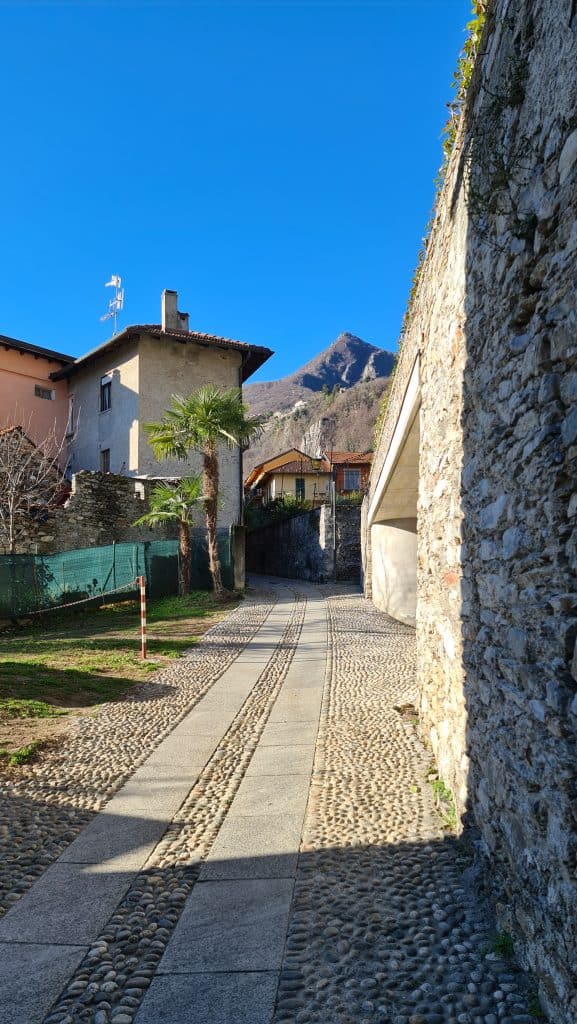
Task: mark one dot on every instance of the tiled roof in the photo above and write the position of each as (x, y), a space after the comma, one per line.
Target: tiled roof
(255, 355)
(302, 466)
(34, 350)
(16, 428)
(350, 458)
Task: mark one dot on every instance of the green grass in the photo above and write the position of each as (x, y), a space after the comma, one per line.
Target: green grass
(445, 804)
(503, 945)
(22, 755)
(534, 1007)
(11, 708)
(75, 659)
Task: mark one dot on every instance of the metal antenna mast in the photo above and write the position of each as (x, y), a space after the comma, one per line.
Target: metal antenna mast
(116, 304)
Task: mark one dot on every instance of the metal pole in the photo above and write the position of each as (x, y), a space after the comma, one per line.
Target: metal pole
(142, 585)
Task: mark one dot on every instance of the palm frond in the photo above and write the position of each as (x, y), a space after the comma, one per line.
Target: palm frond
(176, 502)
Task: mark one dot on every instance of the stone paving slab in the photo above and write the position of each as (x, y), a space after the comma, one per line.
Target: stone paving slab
(73, 900)
(282, 734)
(258, 846)
(31, 976)
(235, 919)
(270, 795)
(70, 903)
(231, 926)
(237, 998)
(294, 759)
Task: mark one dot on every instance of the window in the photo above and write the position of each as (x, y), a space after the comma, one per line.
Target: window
(352, 480)
(105, 396)
(300, 488)
(41, 392)
(105, 460)
(70, 421)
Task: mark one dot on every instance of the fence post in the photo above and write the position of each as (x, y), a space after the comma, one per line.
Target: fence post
(142, 585)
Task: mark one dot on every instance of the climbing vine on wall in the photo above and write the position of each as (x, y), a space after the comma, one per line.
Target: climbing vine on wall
(462, 79)
(461, 83)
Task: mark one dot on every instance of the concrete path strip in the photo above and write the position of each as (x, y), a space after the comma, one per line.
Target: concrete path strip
(52, 926)
(222, 964)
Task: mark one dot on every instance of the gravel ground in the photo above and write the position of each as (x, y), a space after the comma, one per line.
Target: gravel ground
(387, 922)
(45, 806)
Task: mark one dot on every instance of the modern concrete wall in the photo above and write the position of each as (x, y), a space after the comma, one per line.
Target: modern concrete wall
(118, 427)
(394, 568)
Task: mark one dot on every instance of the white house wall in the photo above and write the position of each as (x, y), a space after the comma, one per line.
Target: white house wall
(117, 428)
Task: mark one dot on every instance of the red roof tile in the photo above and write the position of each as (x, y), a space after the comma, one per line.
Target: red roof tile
(349, 458)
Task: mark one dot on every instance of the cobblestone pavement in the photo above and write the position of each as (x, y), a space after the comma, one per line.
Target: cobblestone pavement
(45, 807)
(388, 922)
(380, 918)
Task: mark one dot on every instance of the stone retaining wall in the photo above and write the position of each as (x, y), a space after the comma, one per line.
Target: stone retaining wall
(102, 508)
(303, 547)
(494, 324)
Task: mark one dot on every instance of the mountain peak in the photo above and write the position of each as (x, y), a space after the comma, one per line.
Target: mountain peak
(344, 363)
(345, 381)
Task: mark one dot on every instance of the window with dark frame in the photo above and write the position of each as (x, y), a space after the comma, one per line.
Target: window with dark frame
(41, 392)
(70, 421)
(300, 488)
(105, 460)
(105, 393)
(352, 480)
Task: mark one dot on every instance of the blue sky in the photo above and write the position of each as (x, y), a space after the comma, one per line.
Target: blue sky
(271, 161)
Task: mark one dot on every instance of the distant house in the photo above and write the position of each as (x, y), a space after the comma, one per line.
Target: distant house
(128, 381)
(350, 471)
(290, 473)
(305, 477)
(28, 396)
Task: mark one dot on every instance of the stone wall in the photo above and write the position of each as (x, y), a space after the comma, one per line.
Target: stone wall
(494, 327)
(348, 543)
(303, 547)
(102, 508)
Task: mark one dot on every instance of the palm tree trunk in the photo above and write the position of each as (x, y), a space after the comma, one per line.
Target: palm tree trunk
(184, 550)
(210, 460)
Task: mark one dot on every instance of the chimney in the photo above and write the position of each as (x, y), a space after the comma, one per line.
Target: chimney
(171, 319)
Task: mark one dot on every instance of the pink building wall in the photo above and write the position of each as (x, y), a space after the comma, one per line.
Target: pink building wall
(20, 372)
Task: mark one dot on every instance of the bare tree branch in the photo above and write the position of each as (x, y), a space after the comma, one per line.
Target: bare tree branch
(30, 480)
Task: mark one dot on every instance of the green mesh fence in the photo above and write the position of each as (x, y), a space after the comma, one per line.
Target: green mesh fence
(30, 583)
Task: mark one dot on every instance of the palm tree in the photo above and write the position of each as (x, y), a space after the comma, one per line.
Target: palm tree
(176, 502)
(200, 422)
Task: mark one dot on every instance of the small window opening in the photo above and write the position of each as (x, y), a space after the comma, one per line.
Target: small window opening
(105, 460)
(105, 394)
(300, 488)
(41, 392)
(352, 480)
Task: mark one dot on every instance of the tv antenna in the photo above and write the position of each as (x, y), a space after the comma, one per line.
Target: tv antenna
(116, 304)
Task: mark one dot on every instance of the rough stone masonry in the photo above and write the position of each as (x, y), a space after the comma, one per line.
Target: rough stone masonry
(493, 332)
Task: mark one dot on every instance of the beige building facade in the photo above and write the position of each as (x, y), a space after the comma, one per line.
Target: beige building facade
(129, 381)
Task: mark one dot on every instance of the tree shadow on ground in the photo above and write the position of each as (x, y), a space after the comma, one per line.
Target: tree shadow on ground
(397, 932)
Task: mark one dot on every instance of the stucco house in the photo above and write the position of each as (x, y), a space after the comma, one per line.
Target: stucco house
(350, 470)
(290, 473)
(29, 398)
(307, 478)
(128, 381)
